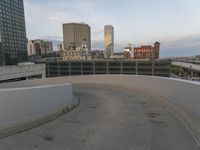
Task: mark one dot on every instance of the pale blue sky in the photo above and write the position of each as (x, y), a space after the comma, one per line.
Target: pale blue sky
(175, 23)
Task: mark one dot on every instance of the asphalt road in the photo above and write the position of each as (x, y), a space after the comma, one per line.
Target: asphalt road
(108, 118)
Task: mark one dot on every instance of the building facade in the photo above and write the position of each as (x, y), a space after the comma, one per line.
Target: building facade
(128, 52)
(81, 53)
(48, 47)
(76, 41)
(109, 40)
(197, 57)
(147, 51)
(13, 47)
(39, 48)
(119, 55)
(97, 54)
(74, 34)
(60, 47)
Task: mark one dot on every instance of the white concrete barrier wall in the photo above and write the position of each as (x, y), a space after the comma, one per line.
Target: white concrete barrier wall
(24, 104)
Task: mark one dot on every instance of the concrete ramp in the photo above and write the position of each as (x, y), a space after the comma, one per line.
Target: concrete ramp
(182, 97)
(121, 112)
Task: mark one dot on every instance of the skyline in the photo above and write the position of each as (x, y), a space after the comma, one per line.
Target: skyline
(173, 23)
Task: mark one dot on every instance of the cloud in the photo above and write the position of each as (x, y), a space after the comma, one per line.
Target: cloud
(46, 18)
(181, 46)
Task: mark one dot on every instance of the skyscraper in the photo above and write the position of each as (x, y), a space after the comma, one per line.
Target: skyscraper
(13, 41)
(109, 40)
(75, 34)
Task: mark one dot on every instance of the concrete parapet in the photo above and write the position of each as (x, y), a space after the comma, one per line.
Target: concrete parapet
(22, 71)
(25, 108)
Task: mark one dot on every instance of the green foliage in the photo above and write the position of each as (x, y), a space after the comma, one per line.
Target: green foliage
(177, 71)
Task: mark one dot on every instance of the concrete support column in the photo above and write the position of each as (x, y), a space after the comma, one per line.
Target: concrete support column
(107, 67)
(136, 67)
(81, 68)
(121, 67)
(170, 70)
(94, 70)
(59, 69)
(70, 70)
(153, 67)
(48, 70)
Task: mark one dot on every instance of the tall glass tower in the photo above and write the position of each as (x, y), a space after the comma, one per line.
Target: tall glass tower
(109, 40)
(13, 41)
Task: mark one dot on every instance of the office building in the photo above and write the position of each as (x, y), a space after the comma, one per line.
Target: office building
(77, 41)
(13, 41)
(48, 47)
(147, 51)
(39, 48)
(82, 53)
(128, 51)
(74, 34)
(109, 40)
(97, 54)
(60, 46)
(197, 57)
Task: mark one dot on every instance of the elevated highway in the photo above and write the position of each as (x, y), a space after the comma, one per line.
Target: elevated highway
(187, 65)
(119, 112)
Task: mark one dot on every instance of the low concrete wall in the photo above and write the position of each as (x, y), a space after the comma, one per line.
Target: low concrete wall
(14, 72)
(22, 105)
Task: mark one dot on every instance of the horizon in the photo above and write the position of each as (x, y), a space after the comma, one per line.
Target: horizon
(174, 24)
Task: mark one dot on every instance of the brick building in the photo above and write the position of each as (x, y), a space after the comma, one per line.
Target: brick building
(147, 51)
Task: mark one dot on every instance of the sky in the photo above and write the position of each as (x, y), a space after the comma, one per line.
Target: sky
(174, 23)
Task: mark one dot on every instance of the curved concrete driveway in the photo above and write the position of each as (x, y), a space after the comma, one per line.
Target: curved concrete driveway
(108, 118)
